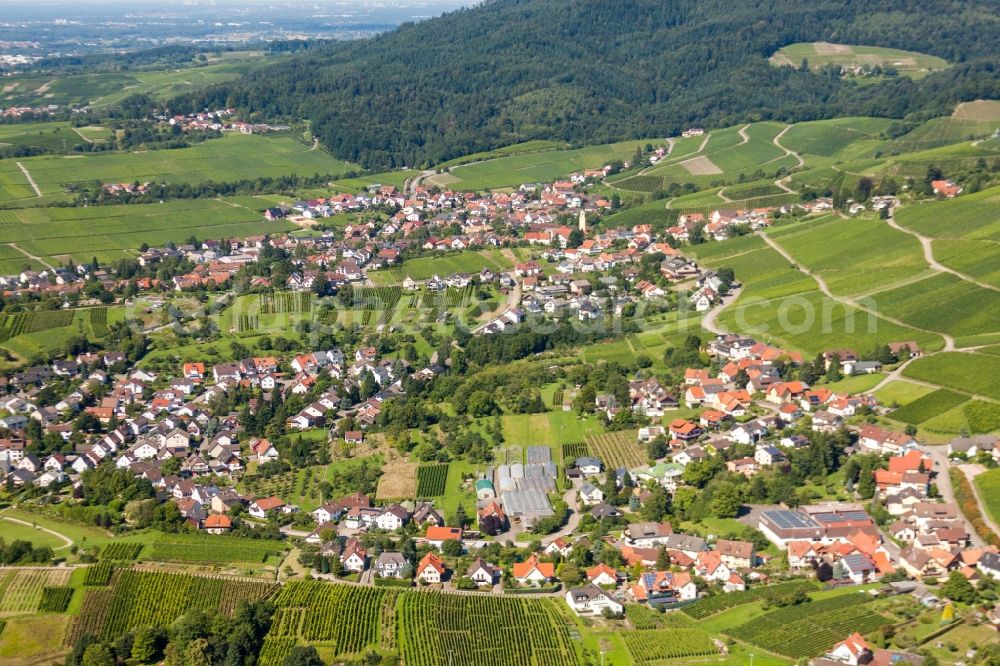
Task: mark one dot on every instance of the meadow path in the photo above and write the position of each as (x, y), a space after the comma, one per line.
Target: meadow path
(949, 341)
(67, 542)
(927, 244)
(777, 141)
(31, 256)
(31, 181)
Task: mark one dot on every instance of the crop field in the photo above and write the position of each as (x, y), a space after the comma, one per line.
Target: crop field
(981, 417)
(978, 259)
(942, 303)
(57, 136)
(617, 449)
(975, 373)
(928, 406)
(437, 629)
(139, 598)
(652, 646)
(981, 109)
(810, 629)
(232, 157)
(55, 599)
(845, 138)
(709, 606)
(854, 256)
(727, 156)
(431, 480)
(99, 574)
(316, 612)
(22, 590)
(200, 549)
(939, 132)
(970, 216)
(543, 166)
(820, 54)
(120, 551)
(58, 233)
(640, 183)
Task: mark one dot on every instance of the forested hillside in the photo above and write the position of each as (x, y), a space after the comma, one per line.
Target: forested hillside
(585, 71)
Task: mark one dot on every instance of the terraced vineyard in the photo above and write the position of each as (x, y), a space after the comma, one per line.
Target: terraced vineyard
(928, 406)
(716, 604)
(617, 449)
(808, 630)
(649, 647)
(431, 480)
(139, 598)
(437, 628)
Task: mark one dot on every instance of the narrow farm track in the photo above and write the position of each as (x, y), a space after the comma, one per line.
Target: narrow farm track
(31, 181)
(743, 134)
(81, 134)
(949, 341)
(31, 256)
(777, 141)
(67, 542)
(928, 247)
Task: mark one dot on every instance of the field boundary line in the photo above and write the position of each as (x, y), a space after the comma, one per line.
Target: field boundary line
(31, 256)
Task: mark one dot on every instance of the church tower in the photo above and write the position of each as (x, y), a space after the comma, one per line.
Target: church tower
(583, 221)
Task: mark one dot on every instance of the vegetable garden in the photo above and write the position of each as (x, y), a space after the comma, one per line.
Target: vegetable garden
(431, 480)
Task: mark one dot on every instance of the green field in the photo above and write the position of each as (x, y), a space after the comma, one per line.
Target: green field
(838, 138)
(928, 406)
(988, 489)
(942, 303)
(112, 232)
(55, 136)
(854, 256)
(423, 268)
(535, 167)
(232, 157)
(11, 531)
(106, 88)
(967, 372)
(901, 392)
(821, 54)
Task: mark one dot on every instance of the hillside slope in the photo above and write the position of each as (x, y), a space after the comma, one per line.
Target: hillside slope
(577, 70)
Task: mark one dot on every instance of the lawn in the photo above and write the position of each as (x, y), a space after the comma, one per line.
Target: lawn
(33, 639)
(423, 268)
(901, 392)
(80, 534)
(857, 383)
(11, 531)
(967, 372)
(988, 487)
(549, 428)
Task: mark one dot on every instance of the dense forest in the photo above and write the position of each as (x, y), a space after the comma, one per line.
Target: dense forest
(507, 71)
